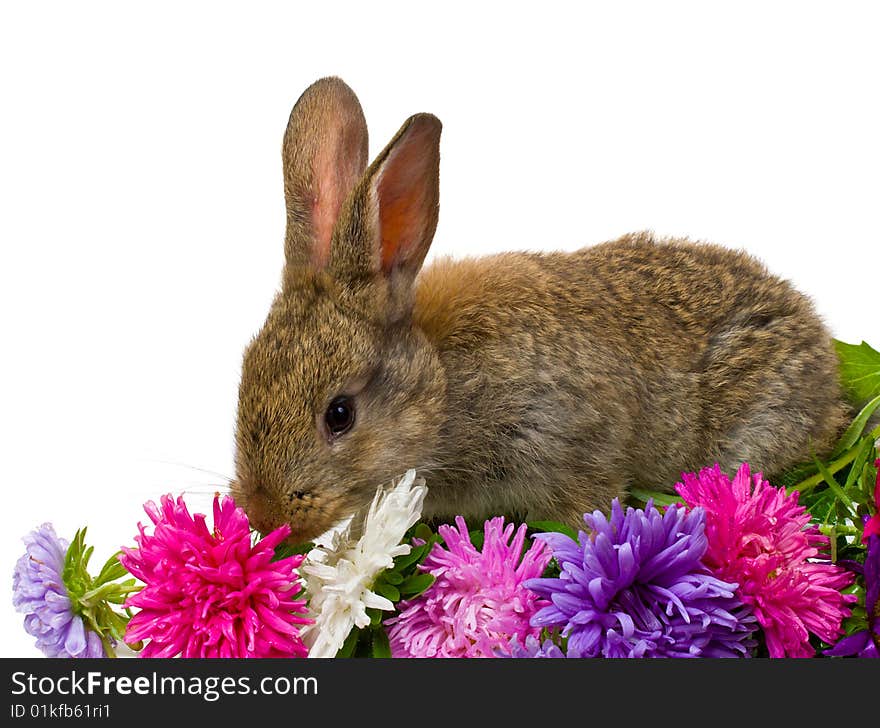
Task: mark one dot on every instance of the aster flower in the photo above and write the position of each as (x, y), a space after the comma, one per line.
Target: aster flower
(341, 572)
(532, 648)
(865, 643)
(634, 586)
(39, 592)
(212, 593)
(761, 539)
(478, 601)
(67, 610)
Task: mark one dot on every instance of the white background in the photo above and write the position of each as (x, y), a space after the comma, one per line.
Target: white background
(142, 213)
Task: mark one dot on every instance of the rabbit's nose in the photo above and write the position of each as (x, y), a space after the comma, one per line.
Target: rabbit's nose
(260, 510)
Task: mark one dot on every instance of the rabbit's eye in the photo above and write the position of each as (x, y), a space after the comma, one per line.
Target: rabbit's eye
(340, 416)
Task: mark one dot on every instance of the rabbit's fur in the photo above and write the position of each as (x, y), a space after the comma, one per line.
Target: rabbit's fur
(536, 384)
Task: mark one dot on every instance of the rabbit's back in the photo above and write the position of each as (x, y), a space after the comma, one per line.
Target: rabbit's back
(626, 363)
(523, 383)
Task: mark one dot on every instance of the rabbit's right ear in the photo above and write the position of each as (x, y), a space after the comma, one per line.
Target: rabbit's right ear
(387, 225)
(324, 154)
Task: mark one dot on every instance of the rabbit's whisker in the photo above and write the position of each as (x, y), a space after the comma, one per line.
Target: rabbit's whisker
(206, 489)
(176, 464)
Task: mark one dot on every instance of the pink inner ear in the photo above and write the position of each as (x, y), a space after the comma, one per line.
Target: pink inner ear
(407, 193)
(336, 168)
(325, 210)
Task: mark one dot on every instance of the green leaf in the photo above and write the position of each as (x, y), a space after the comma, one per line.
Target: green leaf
(414, 585)
(116, 624)
(364, 647)
(821, 501)
(796, 475)
(401, 563)
(865, 449)
(283, 550)
(423, 531)
(477, 537)
(660, 499)
(835, 486)
(854, 431)
(347, 649)
(90, 619)
(383, 589)
(375, 616)
(868, 480)
(833, 466)
(111, 570)
(92, 599)
(553, 527)
(392, 577)
(551, 571)
(859, 370)
(87, 555)
(73, 558)
(381, 646)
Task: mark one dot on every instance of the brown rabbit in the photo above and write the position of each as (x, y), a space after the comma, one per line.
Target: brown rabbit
(535, 384)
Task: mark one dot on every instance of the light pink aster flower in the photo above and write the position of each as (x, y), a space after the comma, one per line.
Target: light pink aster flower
(212, 593)
(760, 538)
(477, 602)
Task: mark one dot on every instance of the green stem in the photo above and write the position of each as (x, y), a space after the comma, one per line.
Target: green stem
(93, 596)
(108, 648)
(840, 529)
(833, 466)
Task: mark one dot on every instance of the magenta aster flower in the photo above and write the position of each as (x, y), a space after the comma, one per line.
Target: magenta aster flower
(477, 602)
(39, 591)
(872, 525)
(761, 539)
(634, 586)
(212, 593)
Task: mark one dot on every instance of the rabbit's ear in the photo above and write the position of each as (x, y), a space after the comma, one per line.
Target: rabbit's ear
(405, 185)
(392, 214)
(324, 155)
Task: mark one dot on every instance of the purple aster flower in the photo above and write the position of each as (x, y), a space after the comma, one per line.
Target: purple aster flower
(531, 649)
(635, 587)
(865, 643)
(39, 591)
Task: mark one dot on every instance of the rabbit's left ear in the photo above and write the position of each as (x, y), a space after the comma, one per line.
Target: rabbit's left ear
(324, 155)
(395, 207)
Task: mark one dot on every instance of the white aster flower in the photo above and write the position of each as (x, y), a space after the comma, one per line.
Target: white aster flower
(340, 572)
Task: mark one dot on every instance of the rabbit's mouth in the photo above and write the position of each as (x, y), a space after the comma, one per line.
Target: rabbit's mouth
(307, 514)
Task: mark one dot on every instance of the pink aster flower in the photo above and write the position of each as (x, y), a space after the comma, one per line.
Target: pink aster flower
(212, 593)
(760, 538)
(477, 602)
